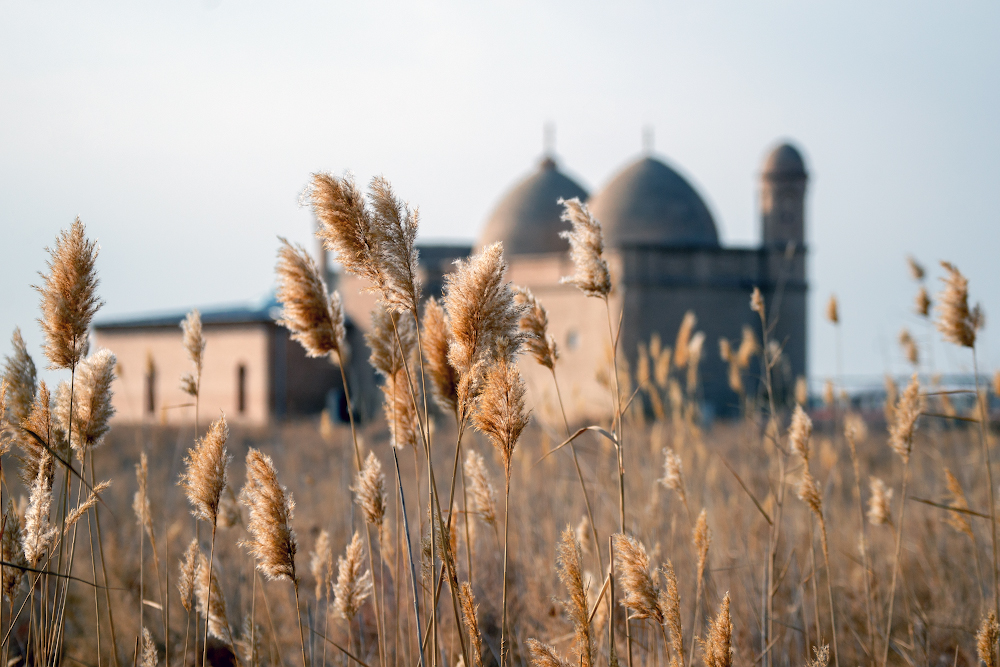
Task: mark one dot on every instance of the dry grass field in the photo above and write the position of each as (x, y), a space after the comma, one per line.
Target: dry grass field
(648, 539)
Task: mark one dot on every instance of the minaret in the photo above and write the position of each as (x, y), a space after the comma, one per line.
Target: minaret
(783, 197)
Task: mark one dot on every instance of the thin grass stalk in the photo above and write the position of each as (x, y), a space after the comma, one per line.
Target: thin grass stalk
(298, 614)
(409, 552)
(618, 446)
(694, 621)
(55, 645)
(506, 534)
(104, 569)
(864, 545)
(812, 578)
(579, 473)
(895, 565)
(829, 589)
(989, 478)
(208, 595)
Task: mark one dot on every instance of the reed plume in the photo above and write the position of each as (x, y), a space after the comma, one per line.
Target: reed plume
(748, 349)
(313, 315)
(501, 415)
(150, 658)
(986, 639)
(632, 572)
(832, 311)
(397, 225)
(471, 620)
(20, 378)
(353, 586)
(187, 572)
(140, 501)
(910, 349)
(12, 552)
(80, 510)
(321, 563)
(916, 270)
(211, 601)
(822, 656)
(702, 540)
(270, 507)
(717, 647)
(484, 320)
(906, 412)
(586, 249)
(673, 476)
(956, 321)
(880, 503)
(399, 410)
(800, 432)
(69, 296)
(922, 303)
(35, 434)
(669, 602)
(757, 301)
(682, 345)
(92, 404)
(39, 535)
(206, 471)
(248, 646)
(194, 343)
(544, 655)
(534, 325)
(387, 325)
(957, 520)
(370, 489)
(436, 339)
(569, 561)
(483, 495)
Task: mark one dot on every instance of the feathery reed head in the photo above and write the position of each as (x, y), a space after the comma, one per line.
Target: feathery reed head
(986, 639)
(149, 656)
(749, 347)
(757, 301)
(673, 473)
(909, 346)
(922, 302)
(544, 655)
(501, 415)
(186, 575)
(632, 568)
(955, 321)
(916, 270)
(92, 405)
(352, 585)
(717, 647)
(535, 327)
(194, 339)
(800, 432)
(206, 471)
(880, 503)
(855, 429)
(270, 507)
(39, 535)
(400, 413)
(809, 493)
(20, 377)
(12, 552)
(669, 602)
(902, 428)
(702, 540)
(387, 325)
(832, 311)
(471, 621)
(725, 350)
(482, 494)
(436, 338)
(483, 314)
(569, 563)
(69, 296)
(586, 249)
(370, 490)
(211, 601)
(822, 656)
(801, 390)
(957, 520)
(397, 225)
(682, 349)
(829, 398)
(321, 563)
(313, 315)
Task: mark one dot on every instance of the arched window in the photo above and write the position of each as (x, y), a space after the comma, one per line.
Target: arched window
(241, 388)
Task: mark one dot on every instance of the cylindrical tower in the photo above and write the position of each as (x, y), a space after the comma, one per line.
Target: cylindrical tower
(783, 197)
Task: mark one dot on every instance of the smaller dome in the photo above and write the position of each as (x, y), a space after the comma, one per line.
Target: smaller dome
(527, 219)
(785, 161)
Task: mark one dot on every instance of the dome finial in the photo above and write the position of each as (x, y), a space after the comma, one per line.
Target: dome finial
(549, 139)
(647, 139)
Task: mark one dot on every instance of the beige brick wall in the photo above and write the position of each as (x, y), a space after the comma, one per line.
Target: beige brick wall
(227, 347)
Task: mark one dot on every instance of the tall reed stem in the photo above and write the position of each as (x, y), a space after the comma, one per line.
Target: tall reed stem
(864, 545)
(208, 596)
(503, 614)
(989, 477)
(298, 613)
(895, 564)
(409, 553)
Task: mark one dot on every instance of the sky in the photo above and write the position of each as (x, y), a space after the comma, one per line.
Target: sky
(182, 134)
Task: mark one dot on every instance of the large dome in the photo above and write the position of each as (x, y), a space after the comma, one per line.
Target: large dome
(527, 218)
(650, 203)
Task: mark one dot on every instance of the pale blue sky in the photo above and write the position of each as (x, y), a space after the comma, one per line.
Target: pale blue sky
(183, 132)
